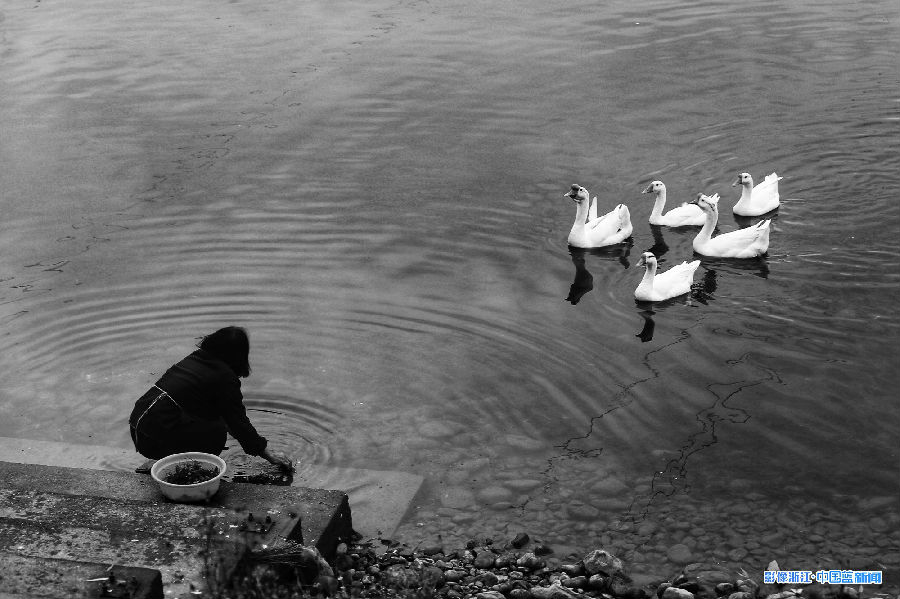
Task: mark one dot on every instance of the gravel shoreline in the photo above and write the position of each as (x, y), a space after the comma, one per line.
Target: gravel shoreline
(521, 569)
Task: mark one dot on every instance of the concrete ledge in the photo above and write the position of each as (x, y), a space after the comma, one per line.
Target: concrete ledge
(121, 518)
(380, 498)
(30, 578)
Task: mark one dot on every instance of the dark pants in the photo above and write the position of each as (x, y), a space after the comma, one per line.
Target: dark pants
(160, 427)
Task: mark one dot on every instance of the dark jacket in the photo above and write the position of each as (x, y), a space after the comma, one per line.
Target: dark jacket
(191, 408)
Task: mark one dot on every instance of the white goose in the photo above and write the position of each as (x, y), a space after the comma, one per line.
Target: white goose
(609, 229)
(742, 243)
(757, 200)
(672, 283)
(686, 215)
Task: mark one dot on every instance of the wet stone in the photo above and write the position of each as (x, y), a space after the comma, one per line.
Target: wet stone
(573, 569)
(583, 511)
(530, 561)
(676, 593)
(457, 497)
(737, 554)
(523, 484)
(878, 524)
(494, 493)
(485, 560)
(598, 582)
(679, 553)
(554, 591)
(576, 582)
(601, 561)
(609, 486)
(453, 575)
(724, 589)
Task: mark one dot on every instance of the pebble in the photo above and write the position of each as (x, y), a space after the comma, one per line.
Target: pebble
(679, 553)
(485, 560)
(600, 561)
(676, 593)
(879, 524)
(878, 503)
(737, 554)
(582, 511)
(576, 582)
(457, 497)
(530, 561)
(554, 591)
(494, 493)
(451, 575)
(609, 486)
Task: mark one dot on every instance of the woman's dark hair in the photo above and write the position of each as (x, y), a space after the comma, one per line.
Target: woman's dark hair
(232, 346)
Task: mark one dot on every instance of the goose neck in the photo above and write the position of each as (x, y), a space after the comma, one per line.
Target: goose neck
(712, 218)
(659, 203)
(581, 213)
(746, 194)
(646, 284)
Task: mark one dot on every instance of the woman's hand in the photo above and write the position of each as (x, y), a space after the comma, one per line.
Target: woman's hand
(278, 459)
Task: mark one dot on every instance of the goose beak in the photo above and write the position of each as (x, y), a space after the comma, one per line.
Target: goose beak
(573, 193)
(736, 181)
(642, 261)
(696, 200)
(648, 189)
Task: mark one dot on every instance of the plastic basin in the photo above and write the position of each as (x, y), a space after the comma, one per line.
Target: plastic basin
(201, 491)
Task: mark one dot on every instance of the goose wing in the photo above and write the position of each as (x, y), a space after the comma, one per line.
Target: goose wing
(686, 214)
(677, 280)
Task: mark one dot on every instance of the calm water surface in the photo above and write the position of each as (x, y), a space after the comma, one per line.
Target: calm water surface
(374, 189)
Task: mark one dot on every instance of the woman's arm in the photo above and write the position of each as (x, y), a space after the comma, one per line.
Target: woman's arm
(235, 415)
(242, 429)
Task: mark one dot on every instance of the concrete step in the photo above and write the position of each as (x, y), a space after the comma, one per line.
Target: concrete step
(380, 498)
(26, 577)
(122, 518)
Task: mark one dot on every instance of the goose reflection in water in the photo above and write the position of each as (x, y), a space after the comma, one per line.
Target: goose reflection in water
(701, 291)
(618, 252)
(646, 333)
(584, 280)
(659, 246)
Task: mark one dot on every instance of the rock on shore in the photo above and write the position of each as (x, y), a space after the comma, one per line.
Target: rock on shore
(518, 570)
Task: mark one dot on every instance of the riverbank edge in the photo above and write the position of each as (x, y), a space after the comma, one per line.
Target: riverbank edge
(515, 569)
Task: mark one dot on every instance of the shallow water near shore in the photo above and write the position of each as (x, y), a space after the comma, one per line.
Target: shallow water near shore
(374, 189)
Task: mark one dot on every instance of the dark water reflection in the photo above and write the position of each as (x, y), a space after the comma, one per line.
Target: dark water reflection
(374, 191)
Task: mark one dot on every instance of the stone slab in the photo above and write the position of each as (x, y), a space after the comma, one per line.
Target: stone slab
(30, 578)
(315, 507)
(121, 517)
(380, 499)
